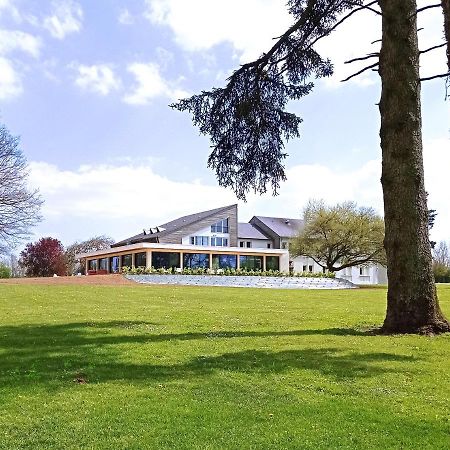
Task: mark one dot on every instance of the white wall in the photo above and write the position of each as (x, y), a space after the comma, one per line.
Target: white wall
(256, 243)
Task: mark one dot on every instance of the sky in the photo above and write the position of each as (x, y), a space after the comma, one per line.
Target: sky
(86, 85)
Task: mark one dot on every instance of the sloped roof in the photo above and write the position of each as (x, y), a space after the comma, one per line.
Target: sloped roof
(248, 231)
(171, 226)
(283, 227)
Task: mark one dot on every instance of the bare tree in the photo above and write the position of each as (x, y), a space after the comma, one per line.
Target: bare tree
(441, 254)
(248, 125)
(19, 206)
(93, 244)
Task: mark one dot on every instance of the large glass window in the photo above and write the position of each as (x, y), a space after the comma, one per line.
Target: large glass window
(219, 242)
(165, 260)
(114, 261)
(251, 262)
(140, 259)
(200, 240)
(92, 264)
(103, 264)
(127, 261)
(196, 260)
(220, 227)
(272, 263)
(224, 261)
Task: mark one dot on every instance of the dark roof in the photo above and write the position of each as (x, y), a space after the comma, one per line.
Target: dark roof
(170, 227)
(248, 231)
(283, 227)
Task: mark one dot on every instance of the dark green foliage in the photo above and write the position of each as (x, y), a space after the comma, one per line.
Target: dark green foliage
(247, 120)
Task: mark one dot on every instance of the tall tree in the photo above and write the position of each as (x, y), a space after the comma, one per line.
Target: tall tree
(247, 122)
(19, 206)
(340, 236)
(43, 258)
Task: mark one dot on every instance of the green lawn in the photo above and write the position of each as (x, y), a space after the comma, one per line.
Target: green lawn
(215, 368)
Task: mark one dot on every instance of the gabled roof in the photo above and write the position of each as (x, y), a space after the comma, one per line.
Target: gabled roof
(248, 231)
(171, 226)
(283, 227)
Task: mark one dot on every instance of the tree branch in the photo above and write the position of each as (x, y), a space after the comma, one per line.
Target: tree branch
(442, 75)
(360, 72)
(433, 48)
(369, 56)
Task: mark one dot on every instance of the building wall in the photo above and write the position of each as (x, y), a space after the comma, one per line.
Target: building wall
(186, 240)
(255, 243)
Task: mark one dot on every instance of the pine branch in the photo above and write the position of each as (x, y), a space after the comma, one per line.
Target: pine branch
(433, 48)
(369, 56)
(360, 72)
(442, 75)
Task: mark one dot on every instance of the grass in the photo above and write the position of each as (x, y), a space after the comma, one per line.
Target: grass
(215, 368)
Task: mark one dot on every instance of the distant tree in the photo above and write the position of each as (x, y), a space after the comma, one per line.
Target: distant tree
(441, 263)
(5, 271)
(340, 236)
(19, 206)
(44, 258)
(93, 244)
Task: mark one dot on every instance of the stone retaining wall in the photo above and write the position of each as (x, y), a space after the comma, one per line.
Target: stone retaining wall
(244, 281)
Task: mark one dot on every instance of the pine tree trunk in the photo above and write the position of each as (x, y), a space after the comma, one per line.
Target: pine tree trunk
(412, 304)
(446, 11)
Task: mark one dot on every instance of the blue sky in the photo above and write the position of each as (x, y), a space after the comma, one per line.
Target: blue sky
(86, 85)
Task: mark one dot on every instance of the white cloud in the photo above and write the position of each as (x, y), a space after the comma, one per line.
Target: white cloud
(97, 78)
(15, 40)
(66, 18)
(199, 25)
(150, 84)
(125, 17)
(7, 6)
(10, 83)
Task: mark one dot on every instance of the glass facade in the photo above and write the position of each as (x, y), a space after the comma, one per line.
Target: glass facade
(272, 263)
(126, 260)
(92, 264)
(114, 261)
(103, 264)
(224, 262)
(251, 262)
(196, 260)
(165, 260)
(140, 259)
(200, 240)
(220, 227)
(219, 242)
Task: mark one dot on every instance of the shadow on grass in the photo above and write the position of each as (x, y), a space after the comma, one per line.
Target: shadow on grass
(52, 354)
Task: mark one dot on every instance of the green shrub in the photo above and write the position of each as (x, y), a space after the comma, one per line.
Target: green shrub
(5, 271)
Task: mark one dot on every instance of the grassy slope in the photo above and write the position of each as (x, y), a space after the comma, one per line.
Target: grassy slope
(214, 368)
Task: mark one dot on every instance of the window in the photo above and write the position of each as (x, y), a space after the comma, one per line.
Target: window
(114, 261)
(241, 244)
(272, 263)
(220, 227)
(310, 268)
(249, 244)
(219, 242)
(92, 264)
(165, 260)
(269, 245)
(324, 270)
(196, 260)
(251, 262)
(140, 259)
(284, 245)
(200, 240)
(103, 264)
(224, 261)
(126, 261)
(304, 269)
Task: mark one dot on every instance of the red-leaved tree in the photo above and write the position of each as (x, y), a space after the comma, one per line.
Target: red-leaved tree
(44, 258)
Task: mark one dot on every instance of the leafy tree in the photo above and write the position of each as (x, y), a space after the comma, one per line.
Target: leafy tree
(44, 258)
(340, 236)
(248, 124)
(5, 271)
(93, 244)
(19, 206)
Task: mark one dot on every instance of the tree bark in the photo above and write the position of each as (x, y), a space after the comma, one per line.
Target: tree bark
(446, 11)
(412, 304)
